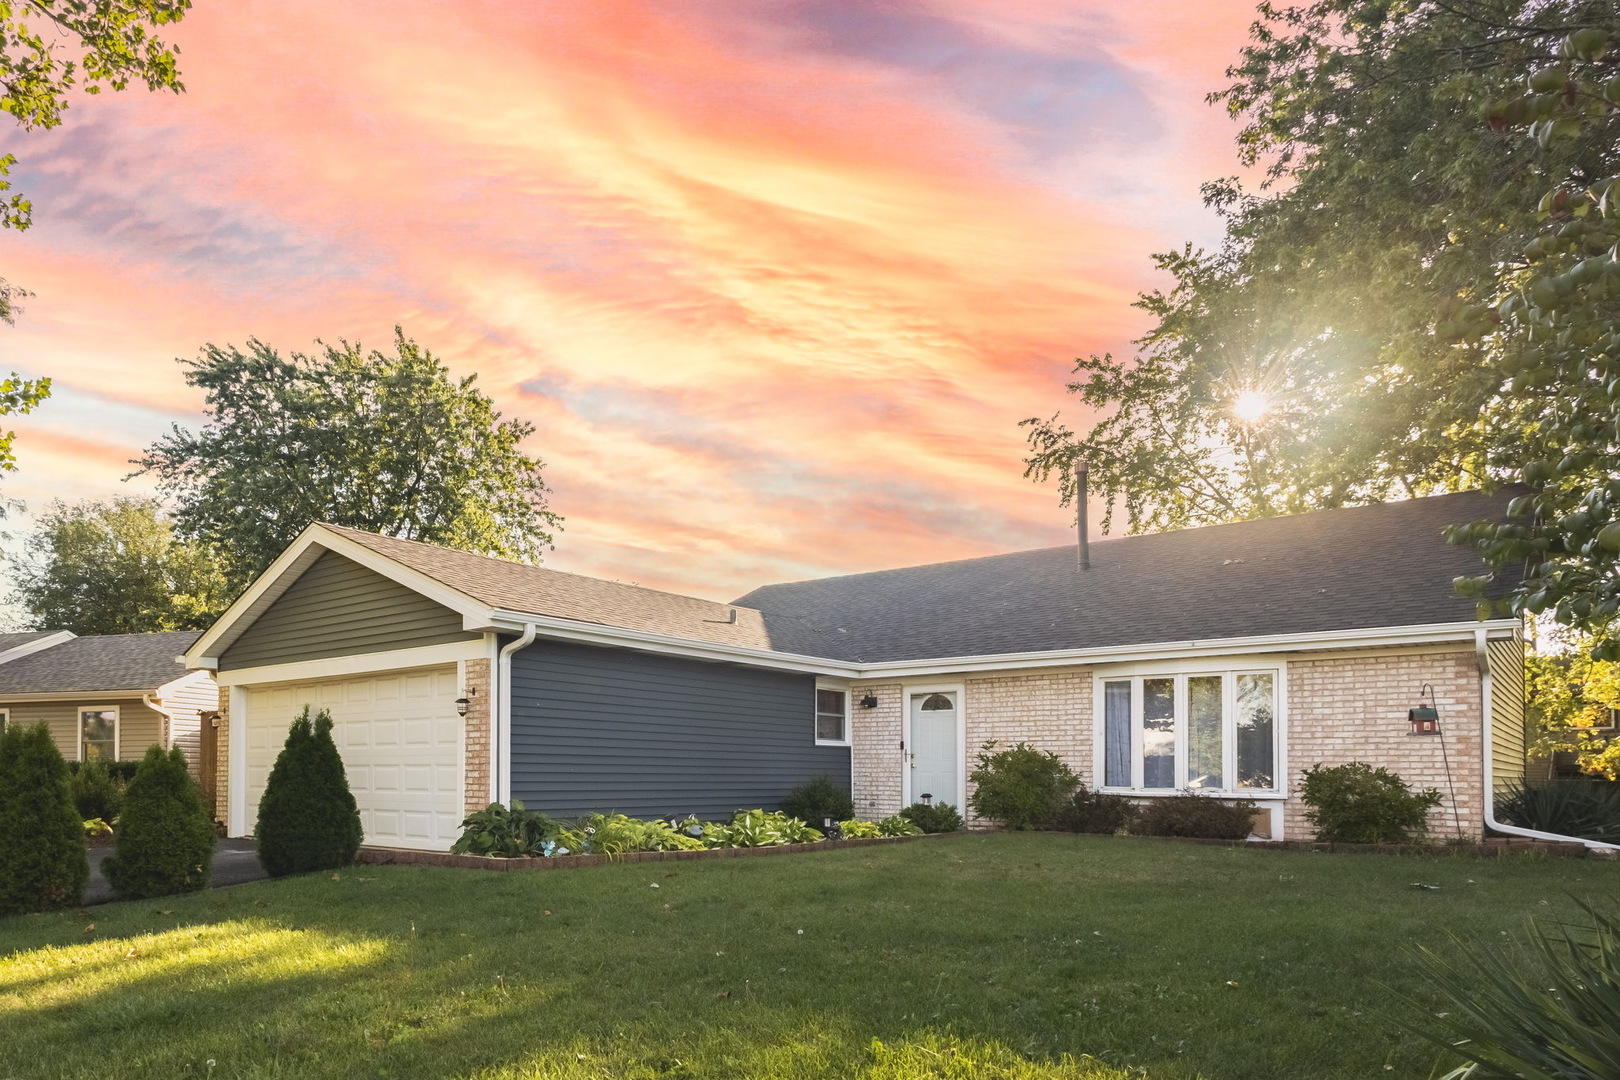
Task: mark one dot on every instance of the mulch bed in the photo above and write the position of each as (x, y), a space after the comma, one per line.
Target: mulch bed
(373, 856)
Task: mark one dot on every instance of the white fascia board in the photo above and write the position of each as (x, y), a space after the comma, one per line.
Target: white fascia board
(205, 653)
(163, 691)
(617, 637)
(27, 648)
(333, 667)
(1171, 650)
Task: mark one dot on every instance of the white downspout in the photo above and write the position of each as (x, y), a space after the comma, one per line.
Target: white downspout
(500, 749)
(1482, 657)
(168, 719)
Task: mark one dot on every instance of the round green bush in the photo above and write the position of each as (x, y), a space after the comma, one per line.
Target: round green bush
(1195, 815)
(165, 837)
(308, 819)
(819, 800)
(1358, 804)
(1022, 787)
(43, 860)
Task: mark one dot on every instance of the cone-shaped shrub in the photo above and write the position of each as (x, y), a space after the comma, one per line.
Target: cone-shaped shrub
(308, 819)
(43, 861)
(165, 834)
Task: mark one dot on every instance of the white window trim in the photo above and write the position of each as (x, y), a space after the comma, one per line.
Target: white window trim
(841, 687)
(118, 726)
(1235, 665)
(909, 690)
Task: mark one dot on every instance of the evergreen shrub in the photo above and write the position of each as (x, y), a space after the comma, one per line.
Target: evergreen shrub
(43, 860)
(165, 837)
(819, 800)
(1195, 815)
(1358, 804)
(308, 819)
(1089, 811)
(1021, 787)
(96, 792)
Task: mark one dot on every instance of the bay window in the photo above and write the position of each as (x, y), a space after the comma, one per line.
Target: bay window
(1214, 731)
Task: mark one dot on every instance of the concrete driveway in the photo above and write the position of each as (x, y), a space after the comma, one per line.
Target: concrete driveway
(234, 863)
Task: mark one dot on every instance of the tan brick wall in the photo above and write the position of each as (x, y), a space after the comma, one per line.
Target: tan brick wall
(875, 737)
(1049, 710)
(222, 759)
(475, 687)
(1353, 708)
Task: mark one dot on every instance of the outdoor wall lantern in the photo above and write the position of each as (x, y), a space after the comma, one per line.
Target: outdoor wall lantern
(462, 703)
(1423, 719)
(869, 701)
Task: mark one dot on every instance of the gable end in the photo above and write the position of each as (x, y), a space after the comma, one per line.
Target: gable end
(337, 607)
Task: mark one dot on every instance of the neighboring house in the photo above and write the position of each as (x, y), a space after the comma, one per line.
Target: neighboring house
(108, 696)
(1227, 658)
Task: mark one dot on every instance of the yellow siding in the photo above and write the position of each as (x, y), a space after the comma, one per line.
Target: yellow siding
(1507, 710)
(138, 726)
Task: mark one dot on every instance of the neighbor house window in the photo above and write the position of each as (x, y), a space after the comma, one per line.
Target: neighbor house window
(832, 716)
(5, 718)
(1215, 731)
(98, 734)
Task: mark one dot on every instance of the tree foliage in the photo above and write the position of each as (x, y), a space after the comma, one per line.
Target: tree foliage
(1571, 697)
(43, 863)
(116, 567)
(390, 443)
(1357, 300)
(48, 48)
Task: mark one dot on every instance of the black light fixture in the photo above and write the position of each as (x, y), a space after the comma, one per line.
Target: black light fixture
(869, 701)
(462, 703)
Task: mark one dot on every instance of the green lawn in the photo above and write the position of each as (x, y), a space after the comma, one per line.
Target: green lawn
(968, 957)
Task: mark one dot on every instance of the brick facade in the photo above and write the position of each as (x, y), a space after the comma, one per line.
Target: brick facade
(1353, 708)
(222, 760)
(1349, 707)
(475, 688)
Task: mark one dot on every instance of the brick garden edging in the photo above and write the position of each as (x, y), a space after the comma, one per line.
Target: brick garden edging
(372, 856)
(1489, 848)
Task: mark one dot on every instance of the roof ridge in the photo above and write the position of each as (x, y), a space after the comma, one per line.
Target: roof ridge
(526, 566)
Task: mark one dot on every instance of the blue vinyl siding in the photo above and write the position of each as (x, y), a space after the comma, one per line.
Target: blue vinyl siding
(597, 729)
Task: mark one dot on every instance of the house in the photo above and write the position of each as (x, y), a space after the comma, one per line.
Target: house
(108, 696)
(1226, 659)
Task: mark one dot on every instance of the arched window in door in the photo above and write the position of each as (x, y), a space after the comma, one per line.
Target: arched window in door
(937, 702)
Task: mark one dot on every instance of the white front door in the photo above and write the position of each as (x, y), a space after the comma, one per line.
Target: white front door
(933, 765)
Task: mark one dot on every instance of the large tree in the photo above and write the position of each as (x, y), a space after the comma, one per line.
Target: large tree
(116, 567)
(385, 442)
(1342, 344)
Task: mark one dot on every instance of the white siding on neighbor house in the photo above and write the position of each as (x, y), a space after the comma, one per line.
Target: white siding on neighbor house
(187, 700)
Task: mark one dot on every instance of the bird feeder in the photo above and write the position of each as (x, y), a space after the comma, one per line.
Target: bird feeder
(1423, 720)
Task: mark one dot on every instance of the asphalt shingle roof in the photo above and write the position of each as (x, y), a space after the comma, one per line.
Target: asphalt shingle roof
(112, 662)
(1360, 568)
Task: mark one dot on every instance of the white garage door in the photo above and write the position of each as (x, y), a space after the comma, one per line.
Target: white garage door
(401, 744)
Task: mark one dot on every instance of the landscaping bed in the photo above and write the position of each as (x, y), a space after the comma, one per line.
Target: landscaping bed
(373, 856)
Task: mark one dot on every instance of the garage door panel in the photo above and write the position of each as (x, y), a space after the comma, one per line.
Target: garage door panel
(401, 743)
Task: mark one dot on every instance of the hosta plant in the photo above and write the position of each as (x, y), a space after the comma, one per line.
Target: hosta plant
(898, 825)
(859, 830)
(507, 832)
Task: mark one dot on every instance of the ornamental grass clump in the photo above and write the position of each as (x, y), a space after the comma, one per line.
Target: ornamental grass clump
(1358, 804)
(165, 836)
(308, 819)
(1547, 1012)
(1020, 787)
(1589, 809)
(43, 860)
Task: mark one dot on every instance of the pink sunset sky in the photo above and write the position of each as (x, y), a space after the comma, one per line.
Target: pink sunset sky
(775, 281)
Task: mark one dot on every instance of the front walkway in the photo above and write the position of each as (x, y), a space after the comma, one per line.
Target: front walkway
(234, 863)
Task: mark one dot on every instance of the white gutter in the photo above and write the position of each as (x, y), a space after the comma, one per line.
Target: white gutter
(168, 717)
(500, 740)
(1483, 659)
